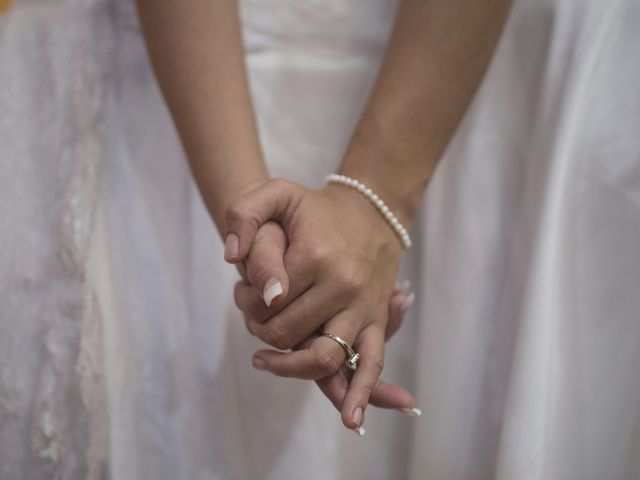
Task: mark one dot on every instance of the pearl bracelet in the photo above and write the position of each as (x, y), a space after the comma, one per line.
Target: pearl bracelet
(377, 202)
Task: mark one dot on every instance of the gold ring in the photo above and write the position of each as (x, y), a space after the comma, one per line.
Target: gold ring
(352, 355)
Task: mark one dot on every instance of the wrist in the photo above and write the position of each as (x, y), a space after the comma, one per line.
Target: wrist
(219, 198)
(403, 208)
(374, 199)
(358, 213)
(395, 171)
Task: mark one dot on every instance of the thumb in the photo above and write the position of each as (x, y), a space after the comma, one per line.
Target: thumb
(246, 215)
(265, 263)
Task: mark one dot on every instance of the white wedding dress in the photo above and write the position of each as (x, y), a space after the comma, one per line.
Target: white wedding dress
(122, 355)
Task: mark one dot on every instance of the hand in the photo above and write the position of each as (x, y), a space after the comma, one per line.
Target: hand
(266, 261)
(341, 263)
(384, 395)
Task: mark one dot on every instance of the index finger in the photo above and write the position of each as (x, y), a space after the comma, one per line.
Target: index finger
(322, 358)
(246, 215)
(370, 345)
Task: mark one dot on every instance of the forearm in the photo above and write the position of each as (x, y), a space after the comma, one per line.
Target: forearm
(437, 55)
(196, 50)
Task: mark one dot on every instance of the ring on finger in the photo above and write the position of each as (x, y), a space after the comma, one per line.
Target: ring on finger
(352, 355)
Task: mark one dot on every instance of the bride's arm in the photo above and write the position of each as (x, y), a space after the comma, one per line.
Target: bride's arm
(436, 57)
(197, 53)
(435, 60)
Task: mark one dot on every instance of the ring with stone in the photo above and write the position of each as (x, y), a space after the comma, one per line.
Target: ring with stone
(352, 355)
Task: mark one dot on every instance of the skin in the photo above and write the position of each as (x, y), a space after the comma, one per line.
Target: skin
(437, 55)
(266, 259)
(188, 41)
(343, 282)
(197, 54)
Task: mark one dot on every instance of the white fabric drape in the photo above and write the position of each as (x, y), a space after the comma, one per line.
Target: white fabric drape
(122, 356)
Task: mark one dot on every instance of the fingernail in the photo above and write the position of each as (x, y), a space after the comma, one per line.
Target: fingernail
(404, 286)
(272, 289)
(411, 412)
(231, 246)
(408, 301)
(357, 416)
(360, 431)
(259, 363)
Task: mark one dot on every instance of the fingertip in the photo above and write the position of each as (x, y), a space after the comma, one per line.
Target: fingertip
(396, 302)
(232, 248)
(396, 315)
(358, 429)
(268, 358)
(352, 417)
(284, 290)
(392, 397)
(356, 416)
(411, 412)
(408, 302)
(264, 354)
(273, 291)
(258, 363)
(261, 359)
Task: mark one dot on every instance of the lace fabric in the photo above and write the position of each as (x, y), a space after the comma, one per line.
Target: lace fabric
(54, 61)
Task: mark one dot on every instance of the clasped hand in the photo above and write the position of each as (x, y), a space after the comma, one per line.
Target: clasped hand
(331, 261)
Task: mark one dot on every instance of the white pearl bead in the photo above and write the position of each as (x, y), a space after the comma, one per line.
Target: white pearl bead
(393, 221)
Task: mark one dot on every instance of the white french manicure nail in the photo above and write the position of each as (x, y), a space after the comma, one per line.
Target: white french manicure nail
(360, 431)
(405, 286)
(231, 247)
(411, 412)
(272, 289)
(356, 417)
(408, 301)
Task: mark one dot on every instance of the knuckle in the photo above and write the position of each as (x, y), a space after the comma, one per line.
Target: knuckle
(377, 362)
(238, 212)
(328, 362)
(367, 387)
(295, 263)
(352, 276)
(256, 310)
(319, 255)
(277, 337)
(258, 271)
(268, 235)
(369, 382)
(233, 213)
(249, 303)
